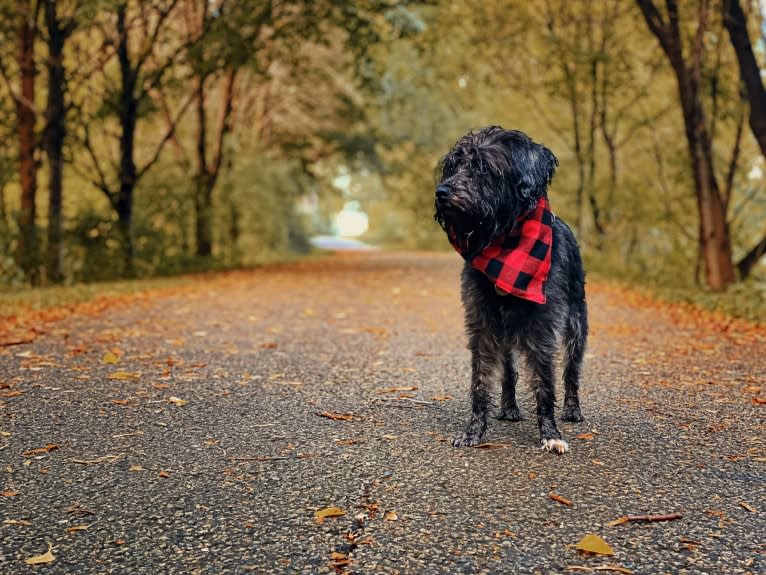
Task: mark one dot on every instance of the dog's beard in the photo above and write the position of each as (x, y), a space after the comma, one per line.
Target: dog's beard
(473, 220)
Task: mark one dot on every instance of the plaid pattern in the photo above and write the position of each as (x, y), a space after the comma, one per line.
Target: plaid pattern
(519, 262)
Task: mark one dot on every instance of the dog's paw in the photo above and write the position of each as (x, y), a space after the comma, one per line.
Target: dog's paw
(572, 413)
(555, 445)
(466, 439)
(510, 414)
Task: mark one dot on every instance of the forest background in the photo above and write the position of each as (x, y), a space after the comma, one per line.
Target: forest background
(154, 137)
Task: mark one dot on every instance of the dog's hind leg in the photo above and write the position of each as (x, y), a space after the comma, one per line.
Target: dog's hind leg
(576, 336)
(509, 409)
(486, 363)
(540, 360)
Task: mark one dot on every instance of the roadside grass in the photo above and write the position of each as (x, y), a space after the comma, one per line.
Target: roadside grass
(15, 301)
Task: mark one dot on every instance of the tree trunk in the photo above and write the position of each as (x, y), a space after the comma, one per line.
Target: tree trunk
(26, 250)
(735, 21)
(55, 132)
(203, 190)
(715, 244)
(208, 172)
(745, 265)
(128, 118)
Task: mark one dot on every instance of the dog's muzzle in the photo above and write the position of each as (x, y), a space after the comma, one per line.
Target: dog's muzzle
(443, 194)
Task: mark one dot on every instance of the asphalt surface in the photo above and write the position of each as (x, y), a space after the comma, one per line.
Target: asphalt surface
(203, 449)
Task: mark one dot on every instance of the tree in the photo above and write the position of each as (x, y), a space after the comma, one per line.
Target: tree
(27, 247)
(750, 74)
(144, 60)
(58, 31)
(714, 237)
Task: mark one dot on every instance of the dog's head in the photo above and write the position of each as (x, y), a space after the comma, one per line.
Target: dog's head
(486, 181)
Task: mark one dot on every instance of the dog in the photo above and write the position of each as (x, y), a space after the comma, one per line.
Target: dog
(523, 283)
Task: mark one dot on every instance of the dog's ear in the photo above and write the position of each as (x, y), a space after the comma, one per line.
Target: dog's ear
(536, 171)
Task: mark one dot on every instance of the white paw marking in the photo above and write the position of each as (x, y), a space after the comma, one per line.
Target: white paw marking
(555, 445)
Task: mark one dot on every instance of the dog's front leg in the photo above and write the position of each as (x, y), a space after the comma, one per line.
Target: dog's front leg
(541, 364)
(486, 364)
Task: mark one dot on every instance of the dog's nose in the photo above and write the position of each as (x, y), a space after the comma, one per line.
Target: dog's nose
(442, 193)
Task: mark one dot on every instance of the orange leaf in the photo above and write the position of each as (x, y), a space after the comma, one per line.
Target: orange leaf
(397, 389)
(36, 450)
(560, 499)
(8, 493)
(759, 401)
(336, 416)
(585, 436)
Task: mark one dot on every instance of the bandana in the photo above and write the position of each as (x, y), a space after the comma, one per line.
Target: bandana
(519, 261)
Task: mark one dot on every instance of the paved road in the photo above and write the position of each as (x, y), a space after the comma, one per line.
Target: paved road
(201, 449)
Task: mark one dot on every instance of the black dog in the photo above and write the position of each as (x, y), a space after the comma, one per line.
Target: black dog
(523, 284)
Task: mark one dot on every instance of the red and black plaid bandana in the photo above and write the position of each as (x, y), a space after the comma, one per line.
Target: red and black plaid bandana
(519, 262)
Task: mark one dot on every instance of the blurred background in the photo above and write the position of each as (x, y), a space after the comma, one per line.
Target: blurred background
(154, 137)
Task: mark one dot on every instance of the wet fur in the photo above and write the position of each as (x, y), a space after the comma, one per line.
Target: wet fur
(492, 176)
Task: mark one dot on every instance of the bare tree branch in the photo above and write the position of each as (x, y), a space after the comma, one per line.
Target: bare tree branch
(168, 135)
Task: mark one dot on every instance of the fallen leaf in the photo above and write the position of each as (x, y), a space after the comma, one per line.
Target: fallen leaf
(110, 358)
(442, 397)
(336, 416)
(136, 468)
(585, 436)
(560, 499)
(346, 441)
(123, 375)
(592, 543)
(75, 528)
(336, 555)
(322, 514)
(10, 393)
(532, 475)
(8, 493)
(102, 459)
(504, 533)
(759, 401)
(747, 506)
(164, 473)
(120, 401)
(619, 521)
(397, 389)
(16, 522)
(40, 559)
(36, 450)
(177, 401)
(614, 568)
(391, 516)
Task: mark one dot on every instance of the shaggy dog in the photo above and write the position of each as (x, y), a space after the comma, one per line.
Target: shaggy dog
(523, 284)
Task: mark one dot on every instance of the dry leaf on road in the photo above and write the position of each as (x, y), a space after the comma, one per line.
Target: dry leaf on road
(560, 499)
(49, 447)
(592, 543)
(336, 416)
(47, 557)
(123, 375)
(327, 512)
